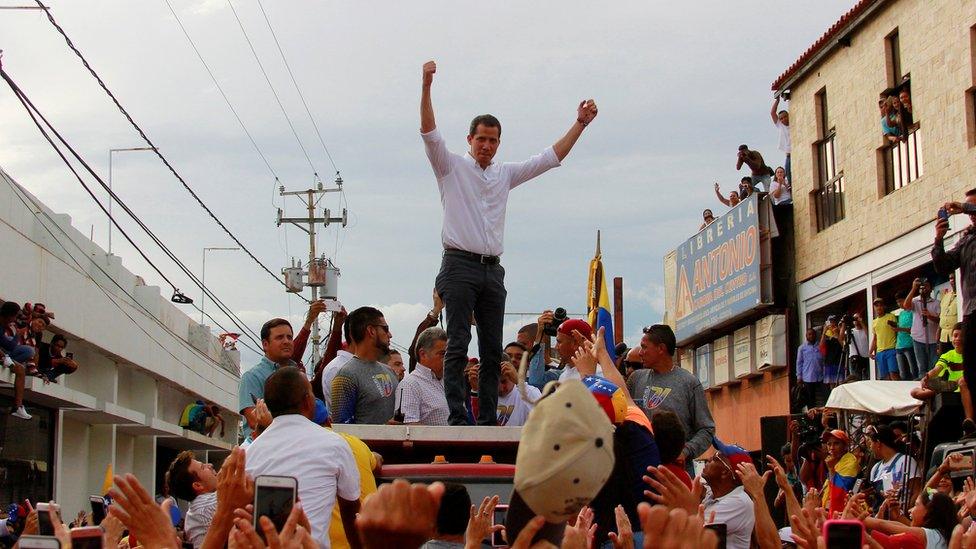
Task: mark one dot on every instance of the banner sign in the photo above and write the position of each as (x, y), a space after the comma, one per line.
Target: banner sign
(718, 272)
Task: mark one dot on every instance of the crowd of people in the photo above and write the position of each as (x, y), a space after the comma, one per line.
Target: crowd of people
(25, 353)
(762, 178)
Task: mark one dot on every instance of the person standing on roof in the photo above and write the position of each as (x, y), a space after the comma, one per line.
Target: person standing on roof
(474, 194)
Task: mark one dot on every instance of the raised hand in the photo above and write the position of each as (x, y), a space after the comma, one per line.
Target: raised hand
(399, 515)
(674, 529)
(429, 69)
(623, 538)
(751, 480)
(480, 521)
(586, 112)
(150, 523)
(670, 490)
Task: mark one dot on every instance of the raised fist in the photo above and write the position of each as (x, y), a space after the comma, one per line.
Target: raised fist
(586, 111)
(429, 69)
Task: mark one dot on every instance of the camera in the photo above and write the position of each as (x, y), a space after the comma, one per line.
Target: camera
(558, 317)
(847, 320)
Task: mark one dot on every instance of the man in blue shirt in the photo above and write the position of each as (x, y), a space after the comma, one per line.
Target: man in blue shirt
(276, 340)
(810, 372)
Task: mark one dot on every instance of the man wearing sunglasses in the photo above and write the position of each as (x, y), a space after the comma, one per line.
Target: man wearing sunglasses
(364, 390)
(661, 385)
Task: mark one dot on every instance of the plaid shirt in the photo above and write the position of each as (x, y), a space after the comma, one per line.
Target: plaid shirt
(962, 256)
(421, 398)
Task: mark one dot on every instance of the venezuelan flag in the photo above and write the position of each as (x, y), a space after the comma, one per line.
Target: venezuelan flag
(598, 300)
(840, 483)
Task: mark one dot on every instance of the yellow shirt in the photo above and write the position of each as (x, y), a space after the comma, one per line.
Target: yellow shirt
(884, 332)
(948, 315)
(365, 462)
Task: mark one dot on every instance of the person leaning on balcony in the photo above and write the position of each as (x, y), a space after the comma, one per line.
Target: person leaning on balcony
(781, 119)
(761, 173)
(883, 341)
(907, 117)
(962, 256)
(733, 199)
(781, 189)
(707, 218)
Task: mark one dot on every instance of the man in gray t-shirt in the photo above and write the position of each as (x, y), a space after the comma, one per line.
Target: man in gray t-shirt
(661, 385)
(364, 389)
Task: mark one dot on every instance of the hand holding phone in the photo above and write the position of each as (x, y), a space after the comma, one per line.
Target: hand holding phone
(274, 496)
(44, 525)
(843, 533)
(38, 542)
(943, 213)
(87, 537)
(98, 509)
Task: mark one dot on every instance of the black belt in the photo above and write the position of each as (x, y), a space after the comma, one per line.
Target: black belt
(483, 259)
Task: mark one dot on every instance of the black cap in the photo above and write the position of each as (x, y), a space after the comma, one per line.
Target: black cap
(885, 435)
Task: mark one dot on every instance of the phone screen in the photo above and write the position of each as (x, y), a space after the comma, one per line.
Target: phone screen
(98, 509)
(721, 531)
(44, 525)
(38, 542)
(843, 534)
(497, 539)
(88, 542)
(273, 502)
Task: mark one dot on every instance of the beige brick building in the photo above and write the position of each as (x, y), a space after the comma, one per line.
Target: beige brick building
(865, 208)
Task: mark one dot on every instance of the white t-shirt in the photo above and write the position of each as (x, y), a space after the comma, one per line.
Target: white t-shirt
(570, 372)
(735, 510)
(319, 458)
(784, 137)
(893, 471)
(785, 196)
(512, 410)
(861, 338)
(330, 372)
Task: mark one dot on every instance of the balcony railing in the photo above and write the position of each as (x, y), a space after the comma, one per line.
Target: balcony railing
(903, 160)
(829, 202)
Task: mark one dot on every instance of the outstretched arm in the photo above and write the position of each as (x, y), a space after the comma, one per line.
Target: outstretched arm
(721, 198)
(772, 111)
(427, 123)
(585, 114)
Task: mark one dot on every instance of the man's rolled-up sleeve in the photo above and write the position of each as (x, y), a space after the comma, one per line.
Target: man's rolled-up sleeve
(533, 167)
(440, 158)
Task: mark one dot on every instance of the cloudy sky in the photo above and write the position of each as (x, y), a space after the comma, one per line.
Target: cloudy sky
(679, 87)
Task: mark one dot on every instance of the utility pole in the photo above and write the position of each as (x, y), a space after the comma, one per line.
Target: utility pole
(311, 198)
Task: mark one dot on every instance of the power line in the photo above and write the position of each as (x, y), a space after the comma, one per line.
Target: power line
(297, 88)
(221, 90)
(270, 85)
(155, 149)
(31, 110)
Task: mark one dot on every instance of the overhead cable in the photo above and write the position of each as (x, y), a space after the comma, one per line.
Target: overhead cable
(155, 149)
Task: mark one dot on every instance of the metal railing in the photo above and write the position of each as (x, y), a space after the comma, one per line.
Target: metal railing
(903, 160)
(829, 202)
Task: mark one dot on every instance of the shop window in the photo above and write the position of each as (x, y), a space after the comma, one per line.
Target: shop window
(828, 195)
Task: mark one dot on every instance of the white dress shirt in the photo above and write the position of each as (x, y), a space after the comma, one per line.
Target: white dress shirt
(420, 396)
(330, 372)
(474, 200)
(321, 460)
(199, 515)
(736, 511)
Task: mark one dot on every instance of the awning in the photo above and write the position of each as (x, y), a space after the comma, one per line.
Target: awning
(889, 398)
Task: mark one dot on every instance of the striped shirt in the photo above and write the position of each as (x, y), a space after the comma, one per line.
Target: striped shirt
(420, 396)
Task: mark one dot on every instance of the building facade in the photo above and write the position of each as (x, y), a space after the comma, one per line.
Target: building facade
(142, 361)
(865, 205)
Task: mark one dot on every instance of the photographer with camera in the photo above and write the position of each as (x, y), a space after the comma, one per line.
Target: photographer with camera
(854, 336)
(925, 323)
(555, 323)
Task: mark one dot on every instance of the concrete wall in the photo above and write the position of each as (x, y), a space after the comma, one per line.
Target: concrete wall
(936, 49)
(137, 366)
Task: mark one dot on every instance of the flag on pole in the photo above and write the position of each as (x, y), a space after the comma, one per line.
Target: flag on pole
(108, 482)
(598, 300)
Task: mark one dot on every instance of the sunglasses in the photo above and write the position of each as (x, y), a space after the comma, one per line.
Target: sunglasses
(386, 327)
(718, 457)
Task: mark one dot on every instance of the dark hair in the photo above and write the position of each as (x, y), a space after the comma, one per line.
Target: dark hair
(662, 334)
(487, 121)
(940, 513)
(900, 425)
(709, 210)
(746, 179)
(669, 435)
(784, 111)
(273, 323)
(57, 338)
(531, 329)
(743, 147)
(516, 344)
(455, 510)
(961, 326)
(359, 320)
(9, 308)
(971, 192)
(284, 391)
(179, 480)
(785, 450)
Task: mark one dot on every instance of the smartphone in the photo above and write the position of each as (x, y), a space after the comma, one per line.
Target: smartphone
(44, 525)
(38, 542)
(961, 466)
(857, 486)
(843, 533)
(721, 531)
(86, 537)
(332, 306)
(274, 497)
(497, 539)
(943, 213)
(98, 509)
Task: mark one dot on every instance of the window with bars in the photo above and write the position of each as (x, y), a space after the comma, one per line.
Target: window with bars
(902, 160)
(828, 195)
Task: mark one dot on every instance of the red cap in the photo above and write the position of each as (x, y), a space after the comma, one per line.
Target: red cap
(571, 324)
(838, 434)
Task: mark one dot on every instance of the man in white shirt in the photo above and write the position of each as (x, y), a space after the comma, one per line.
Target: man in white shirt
(295, 446)
(332, 368)
(420, 397)
(893, 469)
(781, 119)
(195, 482)
(860, 349)
(474, 194)
(725, 496)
